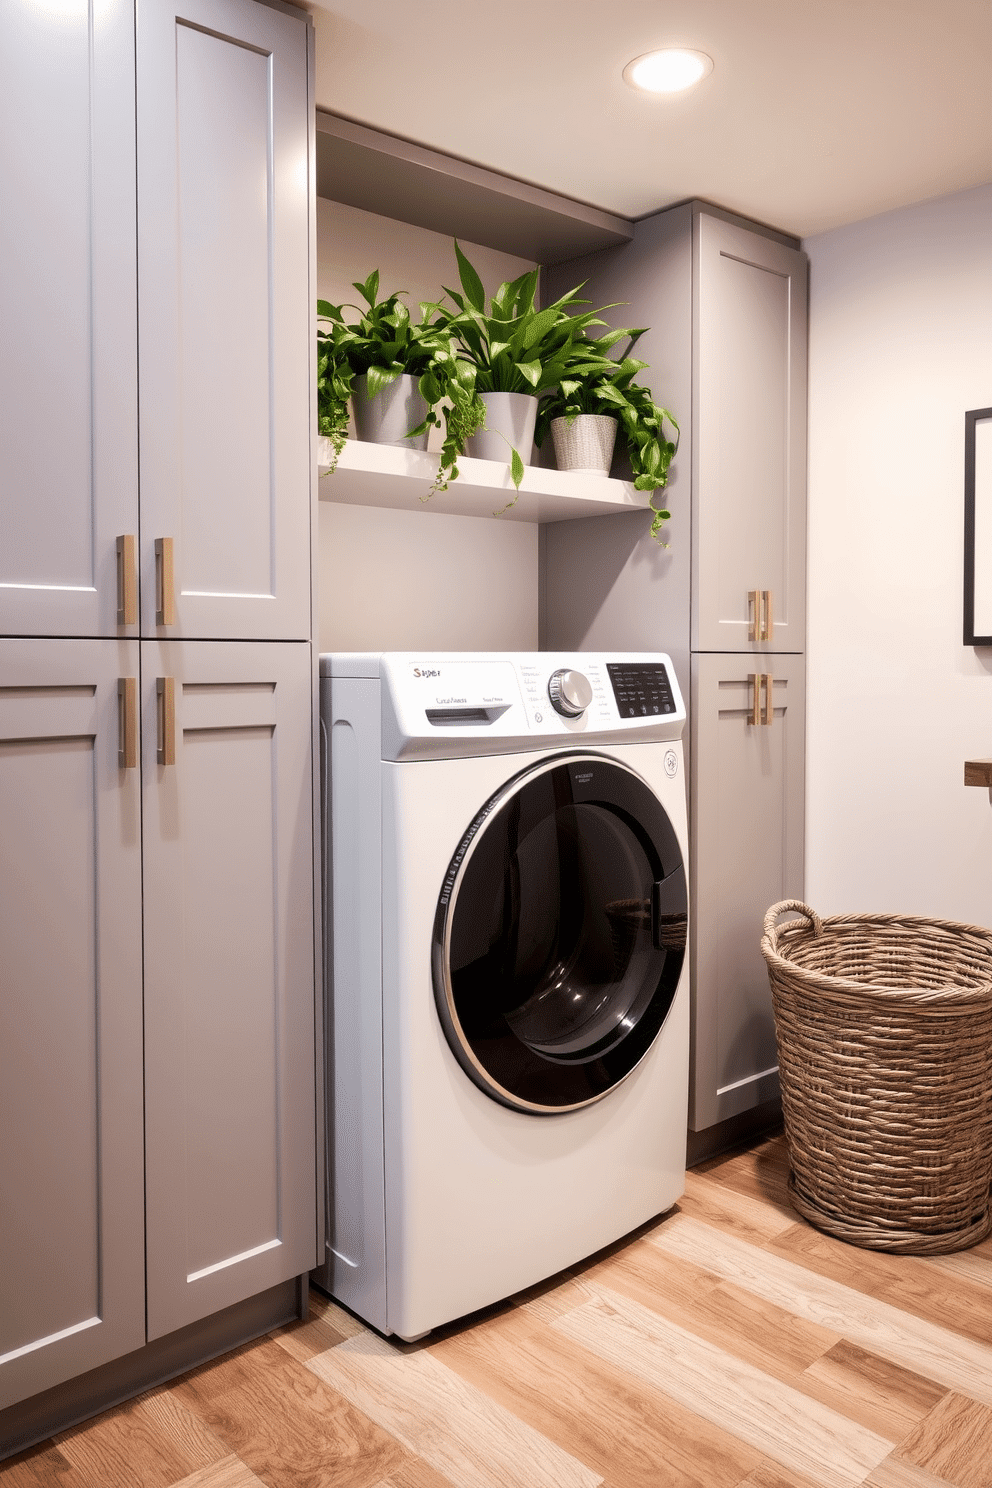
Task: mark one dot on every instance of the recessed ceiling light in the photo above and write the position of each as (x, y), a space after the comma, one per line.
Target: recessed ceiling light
(668, 71)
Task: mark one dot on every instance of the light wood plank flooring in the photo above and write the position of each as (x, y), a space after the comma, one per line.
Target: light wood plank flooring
(728, 1345)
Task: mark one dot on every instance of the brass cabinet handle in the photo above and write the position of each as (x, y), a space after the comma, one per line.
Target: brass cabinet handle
(761, 712)
(754, 682)
(127, 579)
(760, 625)
(166, 697)
(753, 615)
(127, 722)
(165, 589)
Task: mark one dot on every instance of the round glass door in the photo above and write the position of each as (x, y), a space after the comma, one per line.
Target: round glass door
(560, 934)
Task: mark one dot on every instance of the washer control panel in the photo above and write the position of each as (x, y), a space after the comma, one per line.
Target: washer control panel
(541, 680)
(641, 689)
(441, 705)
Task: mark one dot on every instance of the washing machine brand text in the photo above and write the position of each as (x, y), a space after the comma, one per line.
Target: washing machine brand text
(427, 671)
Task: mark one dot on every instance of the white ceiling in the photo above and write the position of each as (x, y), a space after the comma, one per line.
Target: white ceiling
(817, 112)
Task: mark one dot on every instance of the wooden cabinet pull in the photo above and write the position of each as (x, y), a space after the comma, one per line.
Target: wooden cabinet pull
(761, 712)
(127, 579)
(754, 682)
(127, 722)
(166, 696)
(760, 625)
(165, 591)
(753, 615)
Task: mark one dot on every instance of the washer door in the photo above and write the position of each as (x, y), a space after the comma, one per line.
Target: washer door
(560, 934)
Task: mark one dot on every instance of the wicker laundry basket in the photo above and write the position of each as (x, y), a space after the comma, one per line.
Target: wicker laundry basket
(884, 1027)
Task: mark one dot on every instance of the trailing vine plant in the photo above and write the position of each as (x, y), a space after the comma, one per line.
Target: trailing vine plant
(382, 343)
(604, 385)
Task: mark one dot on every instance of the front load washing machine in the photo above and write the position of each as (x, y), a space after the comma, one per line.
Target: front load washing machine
(505, 971)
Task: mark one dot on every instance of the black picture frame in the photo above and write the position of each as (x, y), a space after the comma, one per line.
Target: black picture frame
(977, 504)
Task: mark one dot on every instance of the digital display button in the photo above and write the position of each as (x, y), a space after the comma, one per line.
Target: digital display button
(641, 689)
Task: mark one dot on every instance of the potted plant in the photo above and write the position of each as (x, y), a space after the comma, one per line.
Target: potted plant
(518, 353)
(603, 390)
(402, 376)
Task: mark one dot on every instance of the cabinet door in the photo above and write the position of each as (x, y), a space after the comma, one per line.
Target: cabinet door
(749, 458)
(71, 1193)
(746, 846)
(224, 318)
(68, 370)
(229, 973)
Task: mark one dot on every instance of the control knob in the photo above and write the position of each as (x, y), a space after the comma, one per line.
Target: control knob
(570, 692)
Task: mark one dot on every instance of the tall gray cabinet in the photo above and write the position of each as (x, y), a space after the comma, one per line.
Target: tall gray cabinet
(157, 681)
(727, 306)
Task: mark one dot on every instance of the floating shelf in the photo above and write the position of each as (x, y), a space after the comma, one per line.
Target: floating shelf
(383, 475)
(979, 772)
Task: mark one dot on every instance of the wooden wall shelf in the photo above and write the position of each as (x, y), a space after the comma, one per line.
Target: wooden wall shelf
(979, 772)
(383, 475)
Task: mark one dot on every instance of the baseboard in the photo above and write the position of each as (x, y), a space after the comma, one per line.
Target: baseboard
(34, 1420)
(745, 1127)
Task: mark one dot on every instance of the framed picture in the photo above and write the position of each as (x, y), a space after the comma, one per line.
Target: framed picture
(978, 527)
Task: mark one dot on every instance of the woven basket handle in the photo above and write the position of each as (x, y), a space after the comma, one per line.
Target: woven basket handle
(788, 906)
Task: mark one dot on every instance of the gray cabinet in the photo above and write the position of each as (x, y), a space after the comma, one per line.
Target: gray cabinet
(746, 830)
(727, 307)
(157, 945)
(224, 320)
(200, 273)
(187, 770)
(71, 1160)
(229, 973)
(749, 447)
(68, 389)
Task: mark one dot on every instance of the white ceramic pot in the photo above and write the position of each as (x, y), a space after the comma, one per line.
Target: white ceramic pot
(388, 417)
(585, 446)
(510, 420)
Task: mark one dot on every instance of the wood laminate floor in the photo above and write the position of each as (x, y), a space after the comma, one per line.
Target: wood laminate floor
(727, 1345)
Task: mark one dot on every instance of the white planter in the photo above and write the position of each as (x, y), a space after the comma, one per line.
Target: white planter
(586, 444)
(510, 420)
(395, 409)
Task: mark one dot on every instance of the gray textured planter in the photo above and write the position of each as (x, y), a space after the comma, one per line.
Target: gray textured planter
(386, 418)
(510, 420)
(585, 445)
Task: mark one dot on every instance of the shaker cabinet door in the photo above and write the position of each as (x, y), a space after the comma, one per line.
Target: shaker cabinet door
(749, 455)
(229, 973)
(746, 842)
(68, 335)
(224, 320)
(71, 1191)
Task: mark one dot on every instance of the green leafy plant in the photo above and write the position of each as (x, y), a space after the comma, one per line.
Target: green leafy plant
(382, 343)
(513, 346)
(605, 385)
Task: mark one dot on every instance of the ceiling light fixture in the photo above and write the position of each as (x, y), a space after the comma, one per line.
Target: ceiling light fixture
(669, 71)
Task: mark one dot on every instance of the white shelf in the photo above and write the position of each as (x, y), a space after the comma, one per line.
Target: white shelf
(383, 475)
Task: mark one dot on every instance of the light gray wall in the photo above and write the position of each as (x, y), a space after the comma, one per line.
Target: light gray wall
(900, 338)
(396, 580)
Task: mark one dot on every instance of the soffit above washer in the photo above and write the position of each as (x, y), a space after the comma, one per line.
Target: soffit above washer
(380, 173)
(813, 116)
